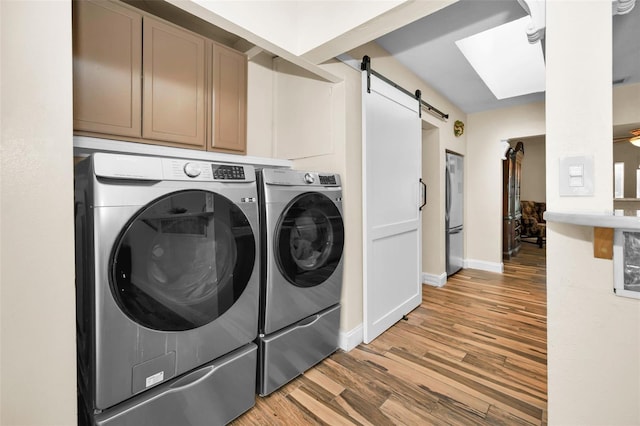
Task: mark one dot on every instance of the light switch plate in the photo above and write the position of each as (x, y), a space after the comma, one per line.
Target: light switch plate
(576, 176)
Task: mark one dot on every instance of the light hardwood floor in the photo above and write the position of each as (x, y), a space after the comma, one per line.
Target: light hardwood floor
(474, 353)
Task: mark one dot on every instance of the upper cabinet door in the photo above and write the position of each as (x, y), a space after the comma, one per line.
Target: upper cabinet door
(229, 120)
(107, 41)
(174, 85)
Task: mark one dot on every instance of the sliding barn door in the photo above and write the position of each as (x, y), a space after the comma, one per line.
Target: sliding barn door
(391, 198)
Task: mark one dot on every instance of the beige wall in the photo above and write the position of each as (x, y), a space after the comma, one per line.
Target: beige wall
(433, 221)
(484, 175)
(438, 137)
(337, 147)
(260, 106)
(593, 335)
(533, 186)
(37, 372)
(588, 325)
(304, 113)
(318, 128)
(483, 162)
(628, 154)
(626, 108)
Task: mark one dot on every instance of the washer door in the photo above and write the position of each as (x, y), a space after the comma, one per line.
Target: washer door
(309, 240)
(182, 261)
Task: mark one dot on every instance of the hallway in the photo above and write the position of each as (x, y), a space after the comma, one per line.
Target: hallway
(474, 353)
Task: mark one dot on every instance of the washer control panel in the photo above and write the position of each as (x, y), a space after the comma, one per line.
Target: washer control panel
(192, 169)
(308, 178)
(175, 169)
(134, 167)
(226, 172)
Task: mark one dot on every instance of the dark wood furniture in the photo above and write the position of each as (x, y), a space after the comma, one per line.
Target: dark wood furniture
(511, 210)
(533, 224)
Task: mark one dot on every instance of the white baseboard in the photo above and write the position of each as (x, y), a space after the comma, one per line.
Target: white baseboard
(434, 280)
(484, 266)
(348, 340)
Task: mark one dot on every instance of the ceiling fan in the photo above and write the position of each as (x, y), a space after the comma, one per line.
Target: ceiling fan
(634, 137)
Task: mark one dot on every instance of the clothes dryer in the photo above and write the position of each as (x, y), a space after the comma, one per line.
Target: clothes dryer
(167, 277)
(301, 283)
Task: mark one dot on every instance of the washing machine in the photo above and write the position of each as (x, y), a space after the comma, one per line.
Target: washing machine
(167, 289)
(301, 277)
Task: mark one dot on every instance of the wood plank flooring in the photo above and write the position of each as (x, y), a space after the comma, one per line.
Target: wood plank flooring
(474, 353)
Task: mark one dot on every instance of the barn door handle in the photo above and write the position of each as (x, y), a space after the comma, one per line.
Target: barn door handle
(424, 195)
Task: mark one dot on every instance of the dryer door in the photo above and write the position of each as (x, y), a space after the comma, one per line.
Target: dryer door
(182, 261)
(309, 240)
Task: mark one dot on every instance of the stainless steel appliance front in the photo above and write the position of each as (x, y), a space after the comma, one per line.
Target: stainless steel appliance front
(167, 272)
(302, 258)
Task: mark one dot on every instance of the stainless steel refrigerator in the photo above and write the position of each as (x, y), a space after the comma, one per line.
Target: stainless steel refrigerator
(454, 227)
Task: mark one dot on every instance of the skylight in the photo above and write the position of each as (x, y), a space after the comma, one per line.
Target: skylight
(505, 60)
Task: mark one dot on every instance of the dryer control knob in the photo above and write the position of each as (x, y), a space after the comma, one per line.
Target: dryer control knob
(308, 177)
(192, 170)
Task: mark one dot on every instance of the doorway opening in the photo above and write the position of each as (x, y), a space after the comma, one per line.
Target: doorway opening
(524, 195)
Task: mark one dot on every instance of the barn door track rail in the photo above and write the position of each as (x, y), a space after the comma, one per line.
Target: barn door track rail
(366, 66)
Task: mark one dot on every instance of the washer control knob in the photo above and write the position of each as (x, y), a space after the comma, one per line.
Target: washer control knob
(308, 178)
(192, 170)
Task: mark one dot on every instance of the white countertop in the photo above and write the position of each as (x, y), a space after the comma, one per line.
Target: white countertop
(84, 145)
(627, 219)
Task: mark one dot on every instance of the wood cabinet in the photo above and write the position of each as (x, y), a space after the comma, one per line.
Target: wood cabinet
(174, 84)
(142, 79)
(107, 62)
(512, 213)
(229, 112)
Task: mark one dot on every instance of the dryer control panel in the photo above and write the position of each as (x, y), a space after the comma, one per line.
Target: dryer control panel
(299, 178)
(327, 179)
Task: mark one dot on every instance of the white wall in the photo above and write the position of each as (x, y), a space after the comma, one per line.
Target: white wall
(37, 300)
(593, 335)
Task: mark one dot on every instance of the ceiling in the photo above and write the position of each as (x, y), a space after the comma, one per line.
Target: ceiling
(427, 47)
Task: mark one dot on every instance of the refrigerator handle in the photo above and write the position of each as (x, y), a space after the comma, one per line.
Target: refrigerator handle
(448, 192)
(424, 195)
